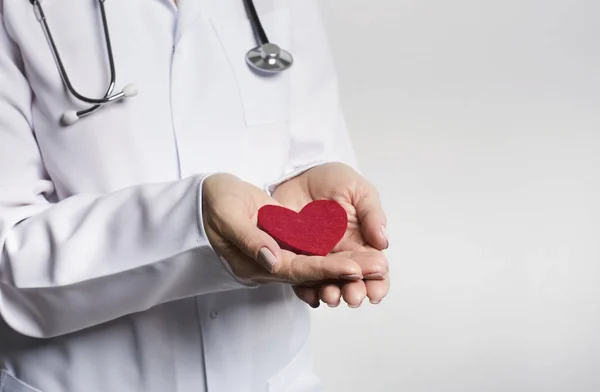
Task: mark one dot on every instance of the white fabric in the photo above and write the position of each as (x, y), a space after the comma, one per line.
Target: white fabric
(107, 280)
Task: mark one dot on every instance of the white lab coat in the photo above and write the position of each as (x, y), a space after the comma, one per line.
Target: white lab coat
(107, 280)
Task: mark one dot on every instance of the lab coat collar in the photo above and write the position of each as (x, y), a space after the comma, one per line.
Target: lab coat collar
(189, 11)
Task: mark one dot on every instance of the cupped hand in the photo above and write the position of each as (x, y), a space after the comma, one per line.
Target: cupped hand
(365, 234)
(229, 212)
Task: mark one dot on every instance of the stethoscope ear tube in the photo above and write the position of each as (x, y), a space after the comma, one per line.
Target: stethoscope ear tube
(71, 117)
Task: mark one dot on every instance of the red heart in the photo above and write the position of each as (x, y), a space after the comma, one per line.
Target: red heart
(316, 230)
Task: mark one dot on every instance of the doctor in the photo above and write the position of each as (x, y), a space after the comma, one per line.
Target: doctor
(129, 254)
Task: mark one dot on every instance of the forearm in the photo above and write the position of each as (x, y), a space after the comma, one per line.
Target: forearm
(92, 258)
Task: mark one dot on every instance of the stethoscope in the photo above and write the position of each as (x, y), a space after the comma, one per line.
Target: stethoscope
(266, 59)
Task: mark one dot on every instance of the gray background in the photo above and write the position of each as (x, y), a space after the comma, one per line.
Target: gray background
(479, 121)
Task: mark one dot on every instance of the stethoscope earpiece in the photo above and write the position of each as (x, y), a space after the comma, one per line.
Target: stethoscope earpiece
(130, 90)
(71, 117)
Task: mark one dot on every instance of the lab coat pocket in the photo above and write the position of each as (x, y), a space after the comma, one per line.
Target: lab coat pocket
(297, 376)
(9, 383)
(265, 98)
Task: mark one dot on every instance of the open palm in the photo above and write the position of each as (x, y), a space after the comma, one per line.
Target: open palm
(365, 232)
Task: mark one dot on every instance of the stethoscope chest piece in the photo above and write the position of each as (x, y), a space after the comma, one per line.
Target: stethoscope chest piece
(269, 58)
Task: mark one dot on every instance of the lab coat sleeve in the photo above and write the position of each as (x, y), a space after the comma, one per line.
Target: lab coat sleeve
(91, 258)
(318, 130)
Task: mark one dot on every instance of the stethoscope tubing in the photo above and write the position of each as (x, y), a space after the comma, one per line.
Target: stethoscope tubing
(266, 57)
(63, 72)
(257, 27)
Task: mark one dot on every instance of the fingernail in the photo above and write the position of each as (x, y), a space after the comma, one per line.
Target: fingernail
(375, 302)
(314, 306)
(355, 306)
(373, 276)
(267, 258)
(351, 277)
(385, 236)
(333, 306)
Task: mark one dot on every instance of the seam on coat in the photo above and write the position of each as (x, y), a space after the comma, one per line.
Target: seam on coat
(171, 107)
(232, 68)
(197, 210)
(6, 375)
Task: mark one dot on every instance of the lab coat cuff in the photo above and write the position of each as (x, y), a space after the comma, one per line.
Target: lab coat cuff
(270, 188)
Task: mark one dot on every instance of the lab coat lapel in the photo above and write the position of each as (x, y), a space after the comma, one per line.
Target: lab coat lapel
(189, 11)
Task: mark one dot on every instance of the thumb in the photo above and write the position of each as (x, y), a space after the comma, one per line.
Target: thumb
(255, 243)
(372, 220)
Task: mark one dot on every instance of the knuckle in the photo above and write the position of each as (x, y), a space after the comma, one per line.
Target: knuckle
(322, 268)
(291, 274)
(381, 264)
(277, 270)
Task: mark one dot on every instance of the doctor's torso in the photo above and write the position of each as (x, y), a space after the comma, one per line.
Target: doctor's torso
(200, 109)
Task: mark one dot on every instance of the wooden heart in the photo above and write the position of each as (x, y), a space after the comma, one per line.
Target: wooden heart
(315, 230)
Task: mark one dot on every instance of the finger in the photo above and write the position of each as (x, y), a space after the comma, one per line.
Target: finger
(307, 269)
(373, 263)
(372, 219)
(310, 295)
(354, 293)
(330, 294)
(377, 289)
(253, 242)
